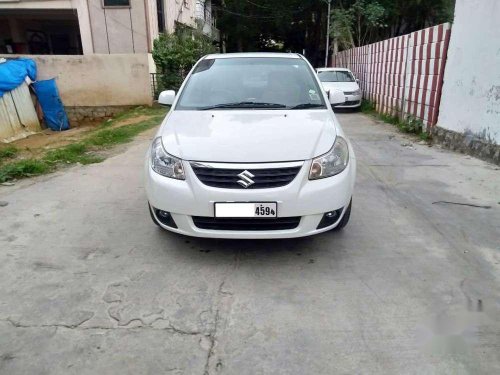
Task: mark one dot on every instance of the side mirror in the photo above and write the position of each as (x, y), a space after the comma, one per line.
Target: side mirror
(336, 97)
(166, 97)
(357, 81)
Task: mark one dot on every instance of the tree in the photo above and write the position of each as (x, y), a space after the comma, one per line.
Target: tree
(407, 16)
(298, 25)
(355, 25)
(274, 25)
(359, 22)
(369, 16)
(341, 24)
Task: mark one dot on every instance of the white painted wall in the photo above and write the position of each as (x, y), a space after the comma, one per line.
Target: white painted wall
(119, 29)
(98, 79)
(182, 11)
(470, 101)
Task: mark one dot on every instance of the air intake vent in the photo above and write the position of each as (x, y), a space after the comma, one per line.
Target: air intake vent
(252, 224)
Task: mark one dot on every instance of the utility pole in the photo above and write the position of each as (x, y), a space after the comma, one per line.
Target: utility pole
(327, 33)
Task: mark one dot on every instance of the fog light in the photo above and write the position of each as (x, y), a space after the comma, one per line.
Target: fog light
(165, 218)
(163, 214)
(329, 218)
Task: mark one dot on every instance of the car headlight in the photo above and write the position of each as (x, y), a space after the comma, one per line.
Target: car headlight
(331, 163)
(357, 92)
(165, 164)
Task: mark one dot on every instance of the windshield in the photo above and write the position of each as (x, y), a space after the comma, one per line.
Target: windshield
(251, 82)
(335, 76)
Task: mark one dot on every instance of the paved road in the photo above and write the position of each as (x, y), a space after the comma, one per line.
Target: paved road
(89, 286)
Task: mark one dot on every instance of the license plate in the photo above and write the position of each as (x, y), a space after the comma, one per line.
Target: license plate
(254, 209)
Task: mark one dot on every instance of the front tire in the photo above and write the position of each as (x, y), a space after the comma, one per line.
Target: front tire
(345, 219)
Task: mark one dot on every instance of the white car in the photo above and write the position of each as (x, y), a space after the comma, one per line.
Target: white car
(341, 79)
(250, 149)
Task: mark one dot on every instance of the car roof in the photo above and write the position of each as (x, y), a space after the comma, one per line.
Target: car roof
(252, 54)
(333, 70)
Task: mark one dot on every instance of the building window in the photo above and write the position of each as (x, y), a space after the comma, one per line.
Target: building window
(116, 3)
(161, 16)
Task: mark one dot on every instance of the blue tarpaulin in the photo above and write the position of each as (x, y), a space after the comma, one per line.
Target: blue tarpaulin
(13, 73)
(54, 114)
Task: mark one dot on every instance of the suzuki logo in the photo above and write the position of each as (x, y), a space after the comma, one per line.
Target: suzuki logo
(246, 179)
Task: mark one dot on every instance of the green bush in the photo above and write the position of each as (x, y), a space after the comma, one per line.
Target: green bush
(175, 54)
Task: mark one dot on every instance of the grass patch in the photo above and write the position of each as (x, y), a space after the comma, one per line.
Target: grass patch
(135, 112)
(114, 136)
(367, 107)
(23, 168)
(84, 151)
(74, 153)
(425, 136)
(8, 152)
(410, 124)
(394, 120)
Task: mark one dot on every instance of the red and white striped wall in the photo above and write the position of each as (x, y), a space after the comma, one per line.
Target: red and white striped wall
(402, 75)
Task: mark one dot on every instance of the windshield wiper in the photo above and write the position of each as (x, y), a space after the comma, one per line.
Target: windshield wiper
(243, 105)
(308, 105)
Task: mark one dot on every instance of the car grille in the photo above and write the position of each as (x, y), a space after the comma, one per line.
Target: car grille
(349, 92)
(351, 102)
(262, 178)
(246, 224)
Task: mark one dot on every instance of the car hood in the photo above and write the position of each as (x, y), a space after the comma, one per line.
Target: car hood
(343, 86)
(248, 136)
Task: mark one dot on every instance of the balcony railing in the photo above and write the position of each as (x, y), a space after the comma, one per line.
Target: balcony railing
(208, 28)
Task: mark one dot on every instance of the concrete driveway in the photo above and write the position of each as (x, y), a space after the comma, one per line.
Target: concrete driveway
(88, 285)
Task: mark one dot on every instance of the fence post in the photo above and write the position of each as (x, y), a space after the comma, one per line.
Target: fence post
(405, 91)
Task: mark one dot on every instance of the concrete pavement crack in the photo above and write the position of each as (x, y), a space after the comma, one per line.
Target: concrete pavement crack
(183, 332)
(222, 307)
(221, 295)
(170, 328)
(69, 326)
(212, 337)
(463, 204)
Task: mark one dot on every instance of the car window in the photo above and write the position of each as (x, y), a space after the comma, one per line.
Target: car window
(251, 82)
(335, 76)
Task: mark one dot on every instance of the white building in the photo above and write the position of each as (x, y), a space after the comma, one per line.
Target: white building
(65, 27)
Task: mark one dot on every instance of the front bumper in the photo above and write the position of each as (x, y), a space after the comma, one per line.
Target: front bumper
(304, 198)
(351, 101)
